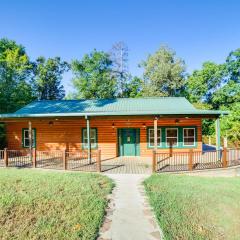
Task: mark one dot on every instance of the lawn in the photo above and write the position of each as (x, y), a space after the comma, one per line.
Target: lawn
(51, 205)
(189, 207)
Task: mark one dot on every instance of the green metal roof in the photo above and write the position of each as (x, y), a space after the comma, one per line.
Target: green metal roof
(110, 107)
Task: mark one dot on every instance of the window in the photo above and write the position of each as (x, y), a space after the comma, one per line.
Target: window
(93, 138)
(151, 137)
(25, 137)
(189, 136)
(172, 137)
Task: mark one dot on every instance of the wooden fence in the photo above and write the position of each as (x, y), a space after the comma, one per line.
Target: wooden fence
(161, 162)
(51, 159)
(195, 160)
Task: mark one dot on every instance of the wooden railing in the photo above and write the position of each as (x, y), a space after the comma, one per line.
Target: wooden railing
(62, 160)
(195, 160)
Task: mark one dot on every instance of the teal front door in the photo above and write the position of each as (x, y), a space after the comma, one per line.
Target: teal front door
(129, 142)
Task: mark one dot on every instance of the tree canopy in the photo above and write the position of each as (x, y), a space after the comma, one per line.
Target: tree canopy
(218, 86)
(15, 76)
(164, 73)
(47, 78)
(93, 76)
(230, 125)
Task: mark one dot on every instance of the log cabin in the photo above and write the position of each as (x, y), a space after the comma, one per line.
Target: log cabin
(119, 127)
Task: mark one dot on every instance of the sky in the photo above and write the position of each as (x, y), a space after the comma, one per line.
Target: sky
(197, 30)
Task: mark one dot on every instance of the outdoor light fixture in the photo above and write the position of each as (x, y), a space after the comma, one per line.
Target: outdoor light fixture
(144, 125)
(50, 123)
(177, 121)
(113, 125)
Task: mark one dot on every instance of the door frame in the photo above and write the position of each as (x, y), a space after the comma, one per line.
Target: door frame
(137, 140)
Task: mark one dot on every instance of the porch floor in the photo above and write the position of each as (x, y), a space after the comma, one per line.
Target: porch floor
(127, 165)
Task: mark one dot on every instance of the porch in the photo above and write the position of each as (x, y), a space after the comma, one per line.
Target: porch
(158, 162)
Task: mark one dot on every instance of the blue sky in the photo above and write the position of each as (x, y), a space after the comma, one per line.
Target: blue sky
(196, 30)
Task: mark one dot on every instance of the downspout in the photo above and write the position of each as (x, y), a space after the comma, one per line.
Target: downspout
(218, 134)
(30, 139)
(218, 139)
(88, 139)
(155, 133)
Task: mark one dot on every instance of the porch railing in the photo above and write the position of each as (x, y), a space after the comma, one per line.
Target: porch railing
(62, 160)
(195, 160)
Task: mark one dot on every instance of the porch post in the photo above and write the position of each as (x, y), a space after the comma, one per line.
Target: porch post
(30, 139)
(155, 133)
(88, 139)
(218, 136)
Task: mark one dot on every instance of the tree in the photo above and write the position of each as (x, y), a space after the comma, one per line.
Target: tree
(15, 76)
(227, 95)
(230, 125)
(208, 125)
(133, 88)
(47, 78)
(93, 76)
(233, 65)
(202, 84)
(216, 84)
(164, 73)
(119, 58)
(229, 92)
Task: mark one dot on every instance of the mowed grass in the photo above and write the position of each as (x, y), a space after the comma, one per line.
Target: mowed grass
(51, 205)
(189, 207)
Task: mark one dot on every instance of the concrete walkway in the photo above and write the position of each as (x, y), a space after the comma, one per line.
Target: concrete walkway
(129, 216)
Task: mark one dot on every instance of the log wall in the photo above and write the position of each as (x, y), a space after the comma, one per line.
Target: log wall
(67, 133)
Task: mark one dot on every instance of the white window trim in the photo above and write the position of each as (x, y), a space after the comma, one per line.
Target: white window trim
(171, 137)
(93, 145)
(194, 140)
(149, 143)
(24, 138)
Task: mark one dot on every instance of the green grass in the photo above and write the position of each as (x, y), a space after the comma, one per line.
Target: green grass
(189, 207)
(51, 205)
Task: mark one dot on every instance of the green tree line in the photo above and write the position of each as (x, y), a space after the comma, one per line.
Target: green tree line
(100, 74)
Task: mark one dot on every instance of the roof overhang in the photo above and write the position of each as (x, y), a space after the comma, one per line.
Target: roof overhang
(193, 114)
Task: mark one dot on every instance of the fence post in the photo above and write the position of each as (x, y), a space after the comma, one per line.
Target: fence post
(154, 161)
(6, 157)
(65, 159)
(190, 160)
(170, 149)
(99, 161)
(224, 157)
(34, 157)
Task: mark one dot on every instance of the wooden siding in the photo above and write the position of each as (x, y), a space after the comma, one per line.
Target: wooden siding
(66, 134)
